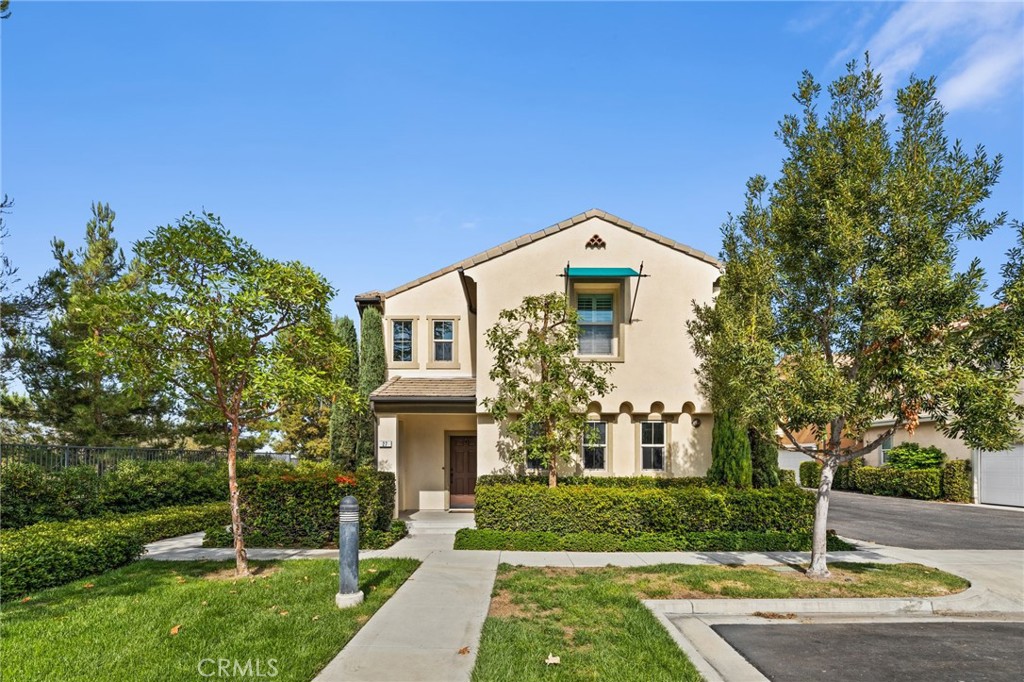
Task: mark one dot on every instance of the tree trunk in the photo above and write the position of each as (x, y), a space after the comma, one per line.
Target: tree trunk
(241, 559)
(818, 568)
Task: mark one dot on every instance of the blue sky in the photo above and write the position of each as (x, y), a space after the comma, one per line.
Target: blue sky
(378, 142)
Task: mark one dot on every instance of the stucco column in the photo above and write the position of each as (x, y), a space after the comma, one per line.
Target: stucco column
(387, 451)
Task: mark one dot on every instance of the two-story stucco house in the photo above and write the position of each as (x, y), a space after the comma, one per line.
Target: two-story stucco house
(634, 290)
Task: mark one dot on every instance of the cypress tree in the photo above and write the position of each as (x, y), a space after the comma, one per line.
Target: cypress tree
(347, 421)
(764, 459)
(373, 371)
(730, 452)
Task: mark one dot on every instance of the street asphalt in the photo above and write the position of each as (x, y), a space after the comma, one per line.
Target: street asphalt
(871, 652)
(917, 524)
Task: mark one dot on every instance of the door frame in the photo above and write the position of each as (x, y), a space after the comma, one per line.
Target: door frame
(448, 463)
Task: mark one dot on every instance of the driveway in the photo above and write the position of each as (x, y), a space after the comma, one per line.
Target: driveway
(924, 525)
(867, 652)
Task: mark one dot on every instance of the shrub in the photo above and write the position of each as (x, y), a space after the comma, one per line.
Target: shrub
(957, 483)
(632, 511)
(810, 474)
(54, 553)
(911, 456)
(787, 477)
(32, 494)
(923, 484)
(710, 541)
(598, 481)
(764, 459)
(730, 452)
(300, 509)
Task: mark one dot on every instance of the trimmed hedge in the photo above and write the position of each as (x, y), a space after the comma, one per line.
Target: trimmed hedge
(597, 481)
(810, 474)
(32, 494)
(54, 553)
(300, 509)
(911, 456)
(787, 477)
(921, 484)
(711, 541)
(957, 483)
(629, 512)
(220, 536)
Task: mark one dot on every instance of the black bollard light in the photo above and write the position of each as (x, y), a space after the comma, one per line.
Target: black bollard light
(348, 554)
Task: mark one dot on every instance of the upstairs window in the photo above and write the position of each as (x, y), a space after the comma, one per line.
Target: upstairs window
(444, 340)
(595, 445)
(652, 446)
(597, 323)
(401, 340)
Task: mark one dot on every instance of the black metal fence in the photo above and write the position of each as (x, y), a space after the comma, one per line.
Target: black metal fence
(56, 457)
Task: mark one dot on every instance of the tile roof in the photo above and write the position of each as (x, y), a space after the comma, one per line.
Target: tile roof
(420, 389)
(514, 244)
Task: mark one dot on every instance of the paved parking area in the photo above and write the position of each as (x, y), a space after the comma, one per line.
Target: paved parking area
(870, 652)
(924, 525)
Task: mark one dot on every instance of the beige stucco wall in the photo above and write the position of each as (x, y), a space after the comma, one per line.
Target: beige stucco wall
(422, 457)
(926, 434)
(654, 377)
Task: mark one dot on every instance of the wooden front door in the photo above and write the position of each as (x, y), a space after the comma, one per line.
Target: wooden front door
(462, 479)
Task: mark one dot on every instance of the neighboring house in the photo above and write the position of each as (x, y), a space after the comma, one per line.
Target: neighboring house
(998, 476)
(634, 290)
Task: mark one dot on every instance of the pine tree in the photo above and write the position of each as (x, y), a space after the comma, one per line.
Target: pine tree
(373, 371)
(348, 421)
(730, 452)
(84, 407)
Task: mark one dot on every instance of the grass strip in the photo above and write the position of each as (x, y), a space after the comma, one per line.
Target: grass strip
(594, 622)
(155, 620)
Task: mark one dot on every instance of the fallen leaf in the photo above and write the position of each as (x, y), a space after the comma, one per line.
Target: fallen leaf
(463, 651)
(371, 570)
(316, 617)
(174, 630)
(88, 585)
(205, 602)
(26, 599)
(284, 613)
(553, 660)
(180, 580)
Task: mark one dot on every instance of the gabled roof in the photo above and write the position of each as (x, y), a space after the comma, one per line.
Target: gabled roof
(519, 242)
(426, 389)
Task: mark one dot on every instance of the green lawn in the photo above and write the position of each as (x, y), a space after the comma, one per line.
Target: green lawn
(121, 625)
(593, 619)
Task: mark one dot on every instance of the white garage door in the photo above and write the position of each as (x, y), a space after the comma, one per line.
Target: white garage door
(791, 460)
(1001, 477)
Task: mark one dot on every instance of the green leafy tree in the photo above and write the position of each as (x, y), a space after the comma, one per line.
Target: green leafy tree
(84, 406)
(235, 333)
(348, 423)
(730, 452)
(543, 385)
(861, 313)
(373, 371)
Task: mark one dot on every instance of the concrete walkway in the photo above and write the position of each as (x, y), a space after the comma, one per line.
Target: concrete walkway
(439, 612)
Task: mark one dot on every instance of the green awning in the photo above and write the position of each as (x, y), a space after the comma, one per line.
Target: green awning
(602, 273)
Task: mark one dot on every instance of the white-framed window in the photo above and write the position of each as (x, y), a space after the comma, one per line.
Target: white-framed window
(597, 323)
(401, 340)
(652, 446)
(885, 448)
(443, 333)
(595, 446)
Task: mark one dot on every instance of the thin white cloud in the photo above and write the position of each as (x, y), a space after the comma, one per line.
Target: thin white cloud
(994, 65)
(980, 44)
